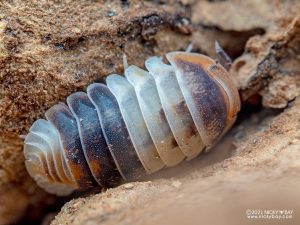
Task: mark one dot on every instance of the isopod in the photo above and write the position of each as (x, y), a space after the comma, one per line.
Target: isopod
(134, 125)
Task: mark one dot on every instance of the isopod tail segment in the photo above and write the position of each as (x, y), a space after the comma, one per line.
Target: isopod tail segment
(134, 125)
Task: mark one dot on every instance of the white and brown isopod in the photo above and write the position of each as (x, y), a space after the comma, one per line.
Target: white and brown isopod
(133, 126)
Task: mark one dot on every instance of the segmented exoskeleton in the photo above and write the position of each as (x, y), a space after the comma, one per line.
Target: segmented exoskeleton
(134, 125)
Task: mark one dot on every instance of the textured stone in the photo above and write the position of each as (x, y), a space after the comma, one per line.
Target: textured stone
(49, 49)
(261, 173)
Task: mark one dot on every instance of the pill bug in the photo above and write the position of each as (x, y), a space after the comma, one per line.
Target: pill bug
(134, 125)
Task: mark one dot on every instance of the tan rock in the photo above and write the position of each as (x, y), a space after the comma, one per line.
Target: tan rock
(260, 175)
(49, 49)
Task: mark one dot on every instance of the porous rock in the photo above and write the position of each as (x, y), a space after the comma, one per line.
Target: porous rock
(49, 49)
(260, 174)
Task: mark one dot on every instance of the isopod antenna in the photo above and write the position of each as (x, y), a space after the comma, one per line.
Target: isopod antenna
(222, 56)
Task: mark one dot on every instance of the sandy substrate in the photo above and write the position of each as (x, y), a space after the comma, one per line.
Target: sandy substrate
(49, 49)
(219, 187)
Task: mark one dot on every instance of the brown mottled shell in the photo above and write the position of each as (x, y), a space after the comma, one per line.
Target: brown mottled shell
(134, 125)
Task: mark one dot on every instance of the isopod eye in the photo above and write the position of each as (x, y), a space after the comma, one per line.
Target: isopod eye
(205, 96)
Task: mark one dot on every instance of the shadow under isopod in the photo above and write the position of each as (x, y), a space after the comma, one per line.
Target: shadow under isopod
(222, 151)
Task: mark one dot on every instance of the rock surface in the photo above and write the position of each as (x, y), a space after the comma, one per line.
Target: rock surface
(262, 173)
(49, 49)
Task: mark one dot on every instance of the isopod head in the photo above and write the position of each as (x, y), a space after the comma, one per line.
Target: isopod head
(209, 91)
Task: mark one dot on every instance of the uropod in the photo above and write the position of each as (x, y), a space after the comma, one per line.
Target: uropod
(134, 125)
